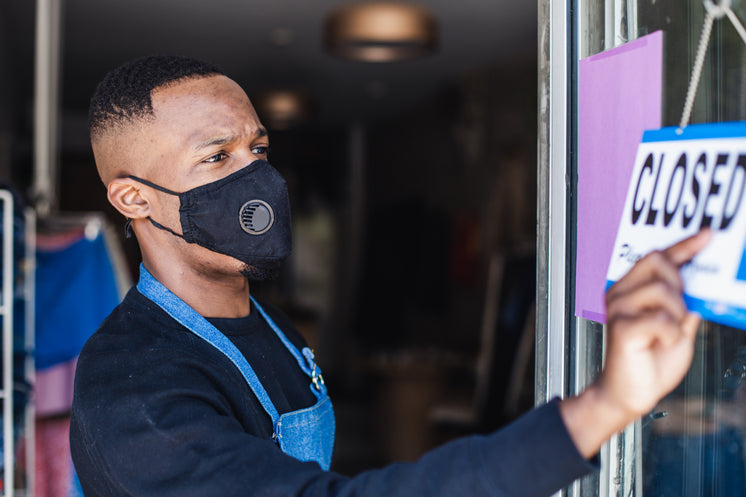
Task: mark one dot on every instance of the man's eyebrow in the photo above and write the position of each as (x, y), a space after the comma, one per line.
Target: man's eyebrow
(222, 140)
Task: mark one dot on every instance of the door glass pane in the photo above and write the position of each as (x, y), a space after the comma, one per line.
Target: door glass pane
(692, 444)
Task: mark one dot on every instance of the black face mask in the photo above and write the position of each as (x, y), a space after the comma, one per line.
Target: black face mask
(245, 215)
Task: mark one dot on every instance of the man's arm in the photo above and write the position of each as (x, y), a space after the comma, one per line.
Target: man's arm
(650, 347)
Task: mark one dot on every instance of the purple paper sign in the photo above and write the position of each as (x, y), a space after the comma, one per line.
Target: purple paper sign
(619, 97)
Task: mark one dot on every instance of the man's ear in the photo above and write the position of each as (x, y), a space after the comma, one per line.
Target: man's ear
(126, 197)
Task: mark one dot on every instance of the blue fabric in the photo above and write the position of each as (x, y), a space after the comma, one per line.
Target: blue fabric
(306, 434)
(75, 490)
(75, 290)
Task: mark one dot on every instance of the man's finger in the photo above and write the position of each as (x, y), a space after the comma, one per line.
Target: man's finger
(690, 324)
(647, 328)
(655, 296)
(661, 265)
(682, 252)
(654, 266)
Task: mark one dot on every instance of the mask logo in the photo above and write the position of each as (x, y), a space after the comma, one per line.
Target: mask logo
(256, 217)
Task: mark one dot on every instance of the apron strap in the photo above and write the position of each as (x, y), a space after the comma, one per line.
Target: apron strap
(191, 320)
(305, 361)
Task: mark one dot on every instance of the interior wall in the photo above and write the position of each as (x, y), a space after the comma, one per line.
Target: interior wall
(15, 98)
(6, 108)
(451, 185)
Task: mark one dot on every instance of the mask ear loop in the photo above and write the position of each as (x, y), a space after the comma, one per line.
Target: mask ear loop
(129, 233)
(714, 11)
(128, 224)
(153, 185)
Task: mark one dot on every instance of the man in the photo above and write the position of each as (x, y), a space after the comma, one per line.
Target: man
(192, 388)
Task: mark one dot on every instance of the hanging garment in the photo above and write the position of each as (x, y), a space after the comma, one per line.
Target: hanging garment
(75, 291)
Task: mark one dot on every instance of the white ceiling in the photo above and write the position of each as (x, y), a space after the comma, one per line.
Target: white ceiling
(237, 35)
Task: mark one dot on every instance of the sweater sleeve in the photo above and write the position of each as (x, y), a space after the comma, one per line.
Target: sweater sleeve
(534, 456)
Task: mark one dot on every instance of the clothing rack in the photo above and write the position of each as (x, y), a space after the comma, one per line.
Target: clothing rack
(90, 222)
(10, 385)
(6, 311)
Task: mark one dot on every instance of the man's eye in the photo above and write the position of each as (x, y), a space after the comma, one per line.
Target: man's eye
(216, 157)
(260, 150)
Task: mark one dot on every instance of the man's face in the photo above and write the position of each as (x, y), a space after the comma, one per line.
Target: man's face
(203, 129)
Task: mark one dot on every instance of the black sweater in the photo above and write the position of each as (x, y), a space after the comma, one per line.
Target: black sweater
(159, 412)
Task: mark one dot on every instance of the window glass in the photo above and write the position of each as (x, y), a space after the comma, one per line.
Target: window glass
(692, 444)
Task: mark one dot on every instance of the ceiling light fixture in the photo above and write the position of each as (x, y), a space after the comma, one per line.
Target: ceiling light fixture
(380, 31)
(282, 109)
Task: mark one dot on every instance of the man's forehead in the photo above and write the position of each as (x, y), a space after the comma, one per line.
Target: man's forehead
(200, 94)
(207, 110)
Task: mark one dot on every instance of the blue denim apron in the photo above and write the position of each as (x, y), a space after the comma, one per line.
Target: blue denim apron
(306, 434)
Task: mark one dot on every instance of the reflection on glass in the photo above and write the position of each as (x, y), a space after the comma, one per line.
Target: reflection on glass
(693, 443)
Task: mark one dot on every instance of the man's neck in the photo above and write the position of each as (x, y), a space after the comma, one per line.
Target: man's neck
(211, 295)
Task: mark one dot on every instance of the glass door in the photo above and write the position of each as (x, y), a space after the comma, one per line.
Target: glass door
(692, 444)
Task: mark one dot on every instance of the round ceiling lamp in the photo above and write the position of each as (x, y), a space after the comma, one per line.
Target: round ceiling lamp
(282, 109)
(380, 31)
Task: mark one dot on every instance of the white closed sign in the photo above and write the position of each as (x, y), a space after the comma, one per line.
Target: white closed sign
(682, 182)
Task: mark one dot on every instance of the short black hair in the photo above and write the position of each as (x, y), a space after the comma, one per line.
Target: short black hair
(125, 92)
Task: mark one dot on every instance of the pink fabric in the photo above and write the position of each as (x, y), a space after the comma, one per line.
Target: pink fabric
(58, 241)
(53, 391)
(53, 461)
